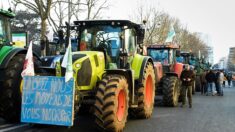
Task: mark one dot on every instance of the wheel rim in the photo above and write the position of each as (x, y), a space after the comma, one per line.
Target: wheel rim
(21, 86)
(149, 91)
(121, 105)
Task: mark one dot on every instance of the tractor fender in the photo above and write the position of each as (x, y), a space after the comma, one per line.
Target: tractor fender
(127, 73)
(138, 64)
(178, 68)
(171, 74)
(158, 71)
(144, 64)
(12, 53)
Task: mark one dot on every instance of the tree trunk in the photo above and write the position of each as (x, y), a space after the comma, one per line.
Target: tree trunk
(43, 37)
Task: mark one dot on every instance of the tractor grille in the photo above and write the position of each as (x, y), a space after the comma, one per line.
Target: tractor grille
(84, 74)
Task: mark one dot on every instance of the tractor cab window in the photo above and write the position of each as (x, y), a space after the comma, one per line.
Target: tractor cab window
(2, 31)
(171, 56)
(192, 61)
(180, 59)
(130, 41)
(103, 38)
(5, 33)
(160, 55)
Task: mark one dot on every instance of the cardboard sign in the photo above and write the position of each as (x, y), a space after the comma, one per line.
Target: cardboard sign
(47, 100)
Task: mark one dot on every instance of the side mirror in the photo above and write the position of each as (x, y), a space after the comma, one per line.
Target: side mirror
(177, 53)
(60, 34)
(140, 35)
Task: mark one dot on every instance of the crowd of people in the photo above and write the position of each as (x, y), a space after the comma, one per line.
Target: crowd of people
(212, 83)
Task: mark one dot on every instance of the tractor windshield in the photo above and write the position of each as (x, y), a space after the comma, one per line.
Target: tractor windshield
(186, 60)
(161, 55)
(101, 37)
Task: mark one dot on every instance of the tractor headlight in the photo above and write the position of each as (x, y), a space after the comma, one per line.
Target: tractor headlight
(78, 65)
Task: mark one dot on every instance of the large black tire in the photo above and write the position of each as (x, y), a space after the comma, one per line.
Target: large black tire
(10, 92)
(171, 91)
(146, 94)
(112, 103)
(10, 95)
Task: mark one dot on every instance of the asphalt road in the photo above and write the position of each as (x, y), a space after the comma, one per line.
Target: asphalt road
(209, 114)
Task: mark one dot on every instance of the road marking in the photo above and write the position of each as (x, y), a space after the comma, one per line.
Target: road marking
(6, 125)
(14, 127)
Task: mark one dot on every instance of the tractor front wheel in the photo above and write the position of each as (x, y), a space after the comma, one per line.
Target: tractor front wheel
(146, 94)
(112, 103)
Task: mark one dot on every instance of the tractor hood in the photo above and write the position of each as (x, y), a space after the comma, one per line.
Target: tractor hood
(50, 61)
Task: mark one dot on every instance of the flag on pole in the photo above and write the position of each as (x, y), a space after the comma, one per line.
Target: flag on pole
(28, 69)
(67, 63)
(199, 54)
(170, 35)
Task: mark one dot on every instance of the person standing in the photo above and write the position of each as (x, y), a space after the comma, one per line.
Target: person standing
(220, 83)
(187, 77)
(210, 78)
(229, 78)
(217, 81)
(224, 79)
(204, 82)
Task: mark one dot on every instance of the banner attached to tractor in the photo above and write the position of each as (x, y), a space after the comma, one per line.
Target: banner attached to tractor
(47, 100)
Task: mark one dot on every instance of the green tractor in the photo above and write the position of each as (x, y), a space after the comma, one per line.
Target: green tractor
(11, 66)
(109, 74)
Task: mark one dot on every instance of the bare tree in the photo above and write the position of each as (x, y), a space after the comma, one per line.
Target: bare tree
(152, 18)
(26, 21)
(93, 8)
(42, 8)
(90, 9)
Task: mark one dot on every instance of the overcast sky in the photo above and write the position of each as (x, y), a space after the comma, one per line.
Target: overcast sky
(213, 17)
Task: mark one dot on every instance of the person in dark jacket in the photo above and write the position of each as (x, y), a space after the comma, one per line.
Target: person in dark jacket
(211, 79)
(203, 82)
(187, 77)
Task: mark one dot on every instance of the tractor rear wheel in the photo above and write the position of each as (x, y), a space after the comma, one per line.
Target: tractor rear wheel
(10, 95)
(171, 91)
(112, 103)
(11, 89)
(146, 94)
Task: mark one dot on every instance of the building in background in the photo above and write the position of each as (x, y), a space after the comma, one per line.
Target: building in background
(231, 59)
(223, 63)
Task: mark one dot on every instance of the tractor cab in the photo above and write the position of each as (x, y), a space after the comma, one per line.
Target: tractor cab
(165, 54)
(5, 32)
(115, 38)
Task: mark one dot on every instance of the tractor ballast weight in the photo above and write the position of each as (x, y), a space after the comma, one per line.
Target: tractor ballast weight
(167, 71)
(109, 74)
(11, 66)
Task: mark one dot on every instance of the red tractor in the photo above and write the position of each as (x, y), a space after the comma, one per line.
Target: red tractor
(167, 71)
